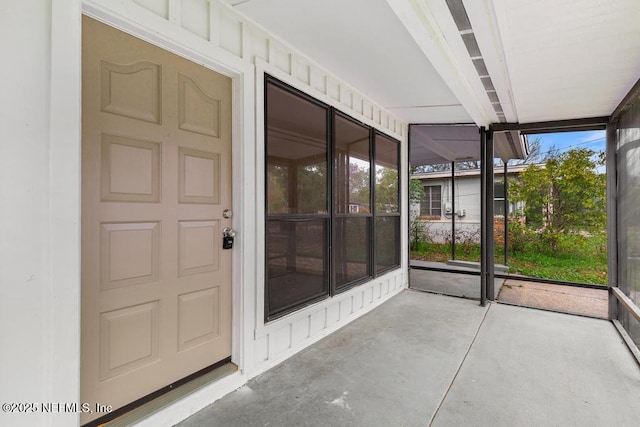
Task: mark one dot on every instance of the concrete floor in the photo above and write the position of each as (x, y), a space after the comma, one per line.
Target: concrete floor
(424, 359)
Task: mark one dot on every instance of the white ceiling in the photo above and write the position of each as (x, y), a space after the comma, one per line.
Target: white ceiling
(535, 60)
(547, 59)
(569, 59)
(365, 44)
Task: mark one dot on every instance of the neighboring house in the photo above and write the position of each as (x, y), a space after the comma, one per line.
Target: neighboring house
(355, 207)
(437, 207)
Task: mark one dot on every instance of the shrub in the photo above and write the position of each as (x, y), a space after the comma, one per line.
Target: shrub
(418, 234)
(519, 236)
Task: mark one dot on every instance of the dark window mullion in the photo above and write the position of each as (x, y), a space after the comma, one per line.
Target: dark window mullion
(331, 168)
(432, 200)
(398, 175)
(374, 208)
(347, 215)
(297, 217)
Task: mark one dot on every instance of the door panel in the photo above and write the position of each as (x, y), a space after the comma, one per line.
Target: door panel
(156, 176)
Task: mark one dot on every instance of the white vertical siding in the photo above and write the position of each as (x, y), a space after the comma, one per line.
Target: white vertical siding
(39, 214)
(40, 182)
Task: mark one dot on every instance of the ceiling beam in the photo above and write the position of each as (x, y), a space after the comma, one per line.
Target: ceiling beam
(626, 102)
(425, 30)
(572, 125)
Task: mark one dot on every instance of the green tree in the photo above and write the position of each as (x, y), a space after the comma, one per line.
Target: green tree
(417, 228)
(416, 191)
(386, 189)
(277, 188)
(567, 194)
(359, 184)
(311, 186)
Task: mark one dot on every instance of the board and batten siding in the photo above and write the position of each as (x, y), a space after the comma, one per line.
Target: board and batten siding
(214, 34)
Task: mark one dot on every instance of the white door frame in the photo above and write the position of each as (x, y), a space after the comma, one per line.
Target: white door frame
(164, 35)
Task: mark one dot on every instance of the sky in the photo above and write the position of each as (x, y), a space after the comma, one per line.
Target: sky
(564, 141)
(594, 140)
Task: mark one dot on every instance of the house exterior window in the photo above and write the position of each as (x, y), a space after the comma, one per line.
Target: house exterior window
(498, 199)
(352, 224)
(431, 204)
(332, 201)
(297, 199)
(387, 203)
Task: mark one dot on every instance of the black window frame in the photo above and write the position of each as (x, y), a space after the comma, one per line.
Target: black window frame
(383, 215)
(331, 217)
(336, 289)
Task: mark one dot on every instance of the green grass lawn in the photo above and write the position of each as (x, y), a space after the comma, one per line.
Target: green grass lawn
(570, 269)
(581, 260)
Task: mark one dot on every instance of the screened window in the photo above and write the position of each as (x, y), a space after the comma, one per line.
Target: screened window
(387, 196)
(498, 190)
(431, 205)
(498, 199)
(297, 226)
(332, 206)
(352, 221)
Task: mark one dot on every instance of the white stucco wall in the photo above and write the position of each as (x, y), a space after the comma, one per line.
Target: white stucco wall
(40, 190)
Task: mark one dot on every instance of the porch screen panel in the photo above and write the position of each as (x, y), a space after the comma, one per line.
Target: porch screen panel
(296, 199)
(387, 203)
(628, 177)
(297, 262)
(500, 214)
(352, 220)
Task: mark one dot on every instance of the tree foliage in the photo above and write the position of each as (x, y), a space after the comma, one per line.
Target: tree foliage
(386, 189)
(297, 188)
(359, 185)
(567, 194)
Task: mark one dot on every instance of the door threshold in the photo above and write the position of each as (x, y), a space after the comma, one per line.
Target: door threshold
(153, 403)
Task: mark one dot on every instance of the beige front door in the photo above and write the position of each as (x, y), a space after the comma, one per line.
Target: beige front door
(156, 177)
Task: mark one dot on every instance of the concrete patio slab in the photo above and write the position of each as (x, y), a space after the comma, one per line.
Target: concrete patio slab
(391, 367)
(537, 368)
(423, 359)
